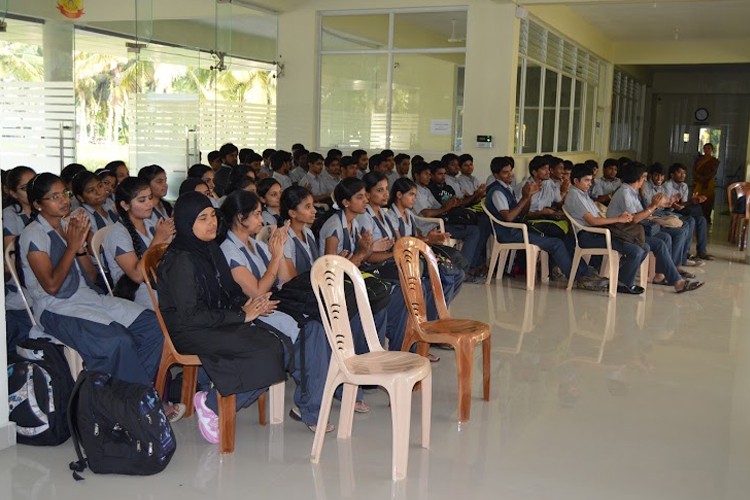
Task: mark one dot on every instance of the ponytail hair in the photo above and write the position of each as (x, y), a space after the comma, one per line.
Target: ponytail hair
(401, 185)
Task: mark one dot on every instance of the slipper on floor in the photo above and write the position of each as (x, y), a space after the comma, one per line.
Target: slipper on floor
(690, 286)
(687, 275)
(174, 412)
(662, 282)
(361, 407)
(295, 415)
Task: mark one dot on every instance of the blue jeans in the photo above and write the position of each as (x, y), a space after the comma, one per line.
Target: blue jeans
(471, 236)
(661, 246)
(701, 227)
(555, 247)
(631, 255)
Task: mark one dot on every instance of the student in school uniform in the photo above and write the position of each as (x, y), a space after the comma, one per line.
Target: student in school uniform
(112, 335)
(109, 184)
(331, 175)
(120, 169)
(467, 181)
(256, 266)
(688, 206)
(67, 174)
(157, 181)
(281, 161)
(627, 200)
(300, 165)
(313, 180)
(131, 236)
(16, 216)
(604, 188)
(583, 210)
(361, 159)
(269, 191)
(89, 190)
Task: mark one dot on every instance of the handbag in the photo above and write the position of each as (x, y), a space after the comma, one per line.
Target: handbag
(460, 216)
(666, 220)
(628, 232)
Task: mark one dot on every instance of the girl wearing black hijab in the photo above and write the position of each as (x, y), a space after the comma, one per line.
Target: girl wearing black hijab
(207, 315)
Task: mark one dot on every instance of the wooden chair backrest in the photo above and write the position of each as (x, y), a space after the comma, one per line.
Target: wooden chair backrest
(406, 253)
(742, 189)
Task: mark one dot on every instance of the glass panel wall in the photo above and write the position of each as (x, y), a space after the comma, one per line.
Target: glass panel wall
(391, 80)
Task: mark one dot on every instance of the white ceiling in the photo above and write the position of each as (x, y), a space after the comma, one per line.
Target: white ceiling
(657, 20)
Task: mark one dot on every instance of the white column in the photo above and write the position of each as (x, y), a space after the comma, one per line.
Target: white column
(58, 51)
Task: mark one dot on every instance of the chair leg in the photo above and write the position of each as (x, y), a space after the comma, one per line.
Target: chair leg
(544, 258)
(614, 273)
(464, 368)
(189, 381)
(643, 272)
(277, 402)
(325, 410)
(426, 409)
(743, 235)
(401, 418)
(576, 260)
(346, 417)
(493, 262)
(262, 408)
(486, 358)
(501, 263)
(531, 258)
(161, 375)
(227, 421)
(410, 337)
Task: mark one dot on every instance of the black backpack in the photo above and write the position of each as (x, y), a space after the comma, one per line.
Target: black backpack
(120, 426)
(39, 387)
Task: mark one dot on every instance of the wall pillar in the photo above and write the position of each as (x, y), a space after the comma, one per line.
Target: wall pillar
(58, 51)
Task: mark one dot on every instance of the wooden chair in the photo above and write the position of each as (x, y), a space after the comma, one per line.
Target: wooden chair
(96, 251)
(611, 257)
(74, 359)
(737, 221)
(500, 252)
(190, 364)
(397, 372)
(462, 334)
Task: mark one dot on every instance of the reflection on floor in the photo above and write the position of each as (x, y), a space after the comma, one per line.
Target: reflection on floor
(592, 398)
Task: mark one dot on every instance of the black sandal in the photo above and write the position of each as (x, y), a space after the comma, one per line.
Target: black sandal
(662, 282)
(690, 286)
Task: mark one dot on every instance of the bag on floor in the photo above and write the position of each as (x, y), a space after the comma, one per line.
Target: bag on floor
(39, 387)
(118, 427)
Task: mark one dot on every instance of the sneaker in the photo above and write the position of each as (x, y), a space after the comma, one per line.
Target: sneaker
(557, 275)
(208, 421)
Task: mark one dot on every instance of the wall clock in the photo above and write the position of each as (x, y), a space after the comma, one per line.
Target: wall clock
(701, 114)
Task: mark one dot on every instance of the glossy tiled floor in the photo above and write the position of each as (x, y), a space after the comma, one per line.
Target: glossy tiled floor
(634, 398)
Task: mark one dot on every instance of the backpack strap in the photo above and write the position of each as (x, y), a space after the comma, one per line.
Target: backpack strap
(80, 465)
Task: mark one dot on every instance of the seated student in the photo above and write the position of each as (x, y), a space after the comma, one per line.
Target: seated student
(594, 166)
(655, 185)
(256, 267)
(241, 177)
(193, 184)
(109, 184)
(214, 160)
(627, 200)
(391, 173)
(252, 160)
(514, 182)
(16, 216)
(129, 239)
(403, 164)
(281, 162)
(360, 157)
(207, 315)
(265, 166)
(545, 198)
(416, 160)
(301, 248)
(427, 205)
(67, 174)
(300, 165)
(378, 164)
(269, 192)
(89, 190)
(503, 205)
(112, 335)
(449, 162)
(604, 188)
(119, 169)
(334, 153)
(313, 179)
(467, 181)
(401, 223)
(559, 175)
(228, 158)
(204, 173)
(157, 181)
(332, 173)
(583, 210)
(348, 167)
(677, 189)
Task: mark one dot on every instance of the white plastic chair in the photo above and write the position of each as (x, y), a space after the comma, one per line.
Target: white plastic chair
(452, 242)
(611, 257)
(397, 371)
(96, 250)
(264, 234)
(75, 361)
(500, 252)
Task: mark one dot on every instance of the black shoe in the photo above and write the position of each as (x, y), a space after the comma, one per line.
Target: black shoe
(632, 289)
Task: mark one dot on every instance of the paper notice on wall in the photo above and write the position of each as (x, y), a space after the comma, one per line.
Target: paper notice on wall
(440, 127)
